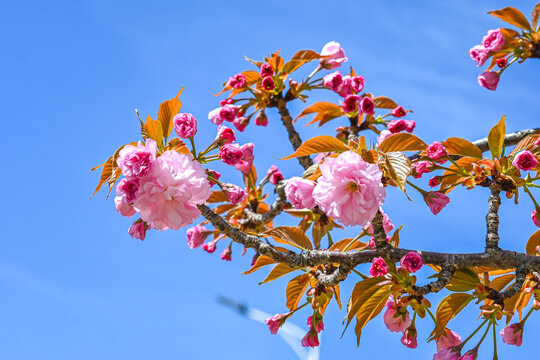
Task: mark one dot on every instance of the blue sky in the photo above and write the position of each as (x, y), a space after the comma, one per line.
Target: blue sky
(75, 285)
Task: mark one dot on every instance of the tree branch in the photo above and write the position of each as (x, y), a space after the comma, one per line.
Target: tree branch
(492, 219)
(509, 139)
(253, 219)
(443, 279)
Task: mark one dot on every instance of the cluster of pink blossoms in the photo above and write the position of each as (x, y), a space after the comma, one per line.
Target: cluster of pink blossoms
(349, 189)
(164, 190)
(492, 42)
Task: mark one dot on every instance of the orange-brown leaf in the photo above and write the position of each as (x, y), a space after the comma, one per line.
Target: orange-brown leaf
(458, 146)
(533, 242)
(512, 16)
(167, 110)
(448, 308)
(399, 168)
(535, 15)
(154, 130)
(325, 111)
(262, 260)
(296, 289)
(217, 196)
(402, 142)
(496, 138)
(384, 102)
(527, 143)
(319, 144)
(278, 271)
(300, 58)
(291, 236)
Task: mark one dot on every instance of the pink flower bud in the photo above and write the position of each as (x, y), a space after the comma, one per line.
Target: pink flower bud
(336, 55)
(357, 83)
(209, 247)
(333, 81)
(436, 201)
(225, 134)
(274, 175)
(535, 216)
(367, 106)
(244, 165)
(396, 126)
(525, 160)
(346, 86)
(351, 103)
(436, 151)
(447, 354)
(240, 123)
(234, 193)
(228, 112)
(310, 340)
(318, 326)
(448, 339)
(479, 55)
(396, 319)
(231, 154)
(268, 83)
(226, 102)
(185, 125)
(300, 192)
(138, 230)
(409, 337)
(469, 355)
(379, 267)
(237, 81)
(196, 236)
(489, 80)
(137, 161)
(266, 70)
(275, 322)
(494, 40)
(213, 173)
(421, 167)
(410, 125)
(215, 117)
(435, 181)
(261, 119)
(226, 254)
(412, 262)
(501, 62)
(513, 334)
(399, 112)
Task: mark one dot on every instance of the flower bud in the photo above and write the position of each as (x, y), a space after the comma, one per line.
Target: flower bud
(185, 125)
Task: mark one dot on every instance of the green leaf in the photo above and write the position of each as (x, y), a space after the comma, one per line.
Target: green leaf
(496, 138)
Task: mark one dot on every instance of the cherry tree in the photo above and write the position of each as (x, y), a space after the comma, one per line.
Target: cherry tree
(168, 183)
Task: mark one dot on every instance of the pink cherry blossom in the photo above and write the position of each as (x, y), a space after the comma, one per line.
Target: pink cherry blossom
(213, 173)
(261, 119)
(237, 81)
(215, 116)
(412, 262)
(185, 125)
(367, 106)
(299, 192)
(138, 230)
(383, 136)
(226, 102)
(268, 83)
(125, 195)
(244, 165)
(525, 160)
(479, 54)
(513, 334)
(396, 126)
(240, 123)
(436, 151)
(489, 80)
(310, 340)
(209, 247)
(387, 224)
(266, 70)
(228, 112)
(378, 267)
(421, 167)
(501, 62)
(399, 111)
(225, 134)
(535, 216)
(137, 161)
(351, 103)
(357, 83)
(469, 355)
(234, 193)
(349, 189)
(275, 322)
(435, 181)
(396, 320)
(196, 236)
(333, 81)
(231, 154)
(168, 198)
(436, 201)
(274, 175)
(346, 86)
(447, 354)
(336, 55)
(447, 339)
(318, 326)
(226, 254)
(494, 40)
(409, 338)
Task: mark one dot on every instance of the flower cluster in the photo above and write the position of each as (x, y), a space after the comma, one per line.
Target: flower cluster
(492, 42)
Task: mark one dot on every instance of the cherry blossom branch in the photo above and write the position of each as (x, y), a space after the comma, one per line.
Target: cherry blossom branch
(509, 139)
(443, 279)
(492, 218)
(253, 219)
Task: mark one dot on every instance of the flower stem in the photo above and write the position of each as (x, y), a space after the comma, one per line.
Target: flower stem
(416, 187)
(495, 357)
(526, 189)
(193, 150)
(474, 332)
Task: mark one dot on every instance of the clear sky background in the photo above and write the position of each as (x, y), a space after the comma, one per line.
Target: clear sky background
(75, 285)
